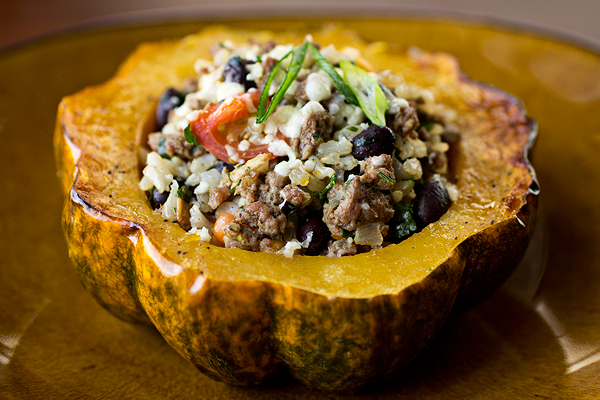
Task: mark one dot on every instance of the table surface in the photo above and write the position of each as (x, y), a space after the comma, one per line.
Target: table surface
(26, 20)
(502, 349)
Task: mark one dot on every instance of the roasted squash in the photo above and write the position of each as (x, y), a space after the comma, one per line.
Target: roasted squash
(238, 316)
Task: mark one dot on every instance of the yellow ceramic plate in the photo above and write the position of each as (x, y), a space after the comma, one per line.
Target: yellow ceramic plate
(530, 340)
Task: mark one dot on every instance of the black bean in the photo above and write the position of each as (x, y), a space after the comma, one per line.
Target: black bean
(373, 141)
(157, 198)
(222, 164)
(180, 181)
(320, 233)
(235, 71)
(170, 99)
(431, 203)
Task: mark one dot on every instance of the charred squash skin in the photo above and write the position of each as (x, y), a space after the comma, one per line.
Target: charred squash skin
(239, 316)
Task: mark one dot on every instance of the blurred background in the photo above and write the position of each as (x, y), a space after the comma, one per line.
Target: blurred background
(24, 20)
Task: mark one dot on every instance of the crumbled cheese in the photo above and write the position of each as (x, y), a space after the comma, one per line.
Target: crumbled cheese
(290, 248)
(208, 86)
(157, 171)
(244, 145)
(452, 192)
(198, 220)
(221, 56)
(204, 234)
(332, 55)
(178, 167)
(226, 90)
(318, 86)
(169, 208)
(278, 120)
(233, 153)
(279, 51)
(255, 71)
(377, 161)
(145, 184)
(248, 100)
(200, 64)
(202, 163)
(205, 181)
(280, 147)
(297, 120)
(396, 104)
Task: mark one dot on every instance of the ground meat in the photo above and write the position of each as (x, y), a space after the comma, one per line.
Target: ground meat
(268, 64)
(436, 163)
(172, 145)
(190, 85)
(248, 186)
(221, 192)
(352, 203)
(406, 121)
(317, 129)
(269, 191)
(270, 246)
(340, 248)
(293, 195)
(218, 196)
(301, 91)
(378, 171)
(255, 222)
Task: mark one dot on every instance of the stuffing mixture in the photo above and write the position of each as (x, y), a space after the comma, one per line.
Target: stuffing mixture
(299, 150)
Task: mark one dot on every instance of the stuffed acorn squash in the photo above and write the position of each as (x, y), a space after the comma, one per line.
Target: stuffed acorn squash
(334, 323)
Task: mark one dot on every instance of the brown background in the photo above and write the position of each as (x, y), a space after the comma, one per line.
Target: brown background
(24, 20)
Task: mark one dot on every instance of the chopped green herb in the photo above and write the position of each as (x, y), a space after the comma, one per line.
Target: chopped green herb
(298, 55)
(347, 234)
(233, 188)
(427, 125)
(402, 223)
(367, 91)
(293, 210)
(385, 177)
(323, 193)
(189, 136)
(352, 128)
(185, 194)
(339, 83)
(162, 150)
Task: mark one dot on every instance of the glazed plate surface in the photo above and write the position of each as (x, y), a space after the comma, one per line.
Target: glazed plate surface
(539, 336)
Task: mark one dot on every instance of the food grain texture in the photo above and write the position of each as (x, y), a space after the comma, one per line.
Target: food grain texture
(238, 316)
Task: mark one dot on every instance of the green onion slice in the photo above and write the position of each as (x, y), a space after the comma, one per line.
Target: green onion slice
(339, 83)
(298, 55)
(367, 91)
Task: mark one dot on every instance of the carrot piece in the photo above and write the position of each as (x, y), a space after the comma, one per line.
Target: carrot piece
(221, 224)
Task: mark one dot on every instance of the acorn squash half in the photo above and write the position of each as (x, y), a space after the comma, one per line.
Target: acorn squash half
(238, 316)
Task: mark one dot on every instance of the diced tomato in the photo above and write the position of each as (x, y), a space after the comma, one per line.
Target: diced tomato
(218, 125)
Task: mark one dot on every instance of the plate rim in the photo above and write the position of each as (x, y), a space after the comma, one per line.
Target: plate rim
(266, 10)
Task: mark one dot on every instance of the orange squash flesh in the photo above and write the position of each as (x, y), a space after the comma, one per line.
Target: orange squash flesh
(238, 316)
